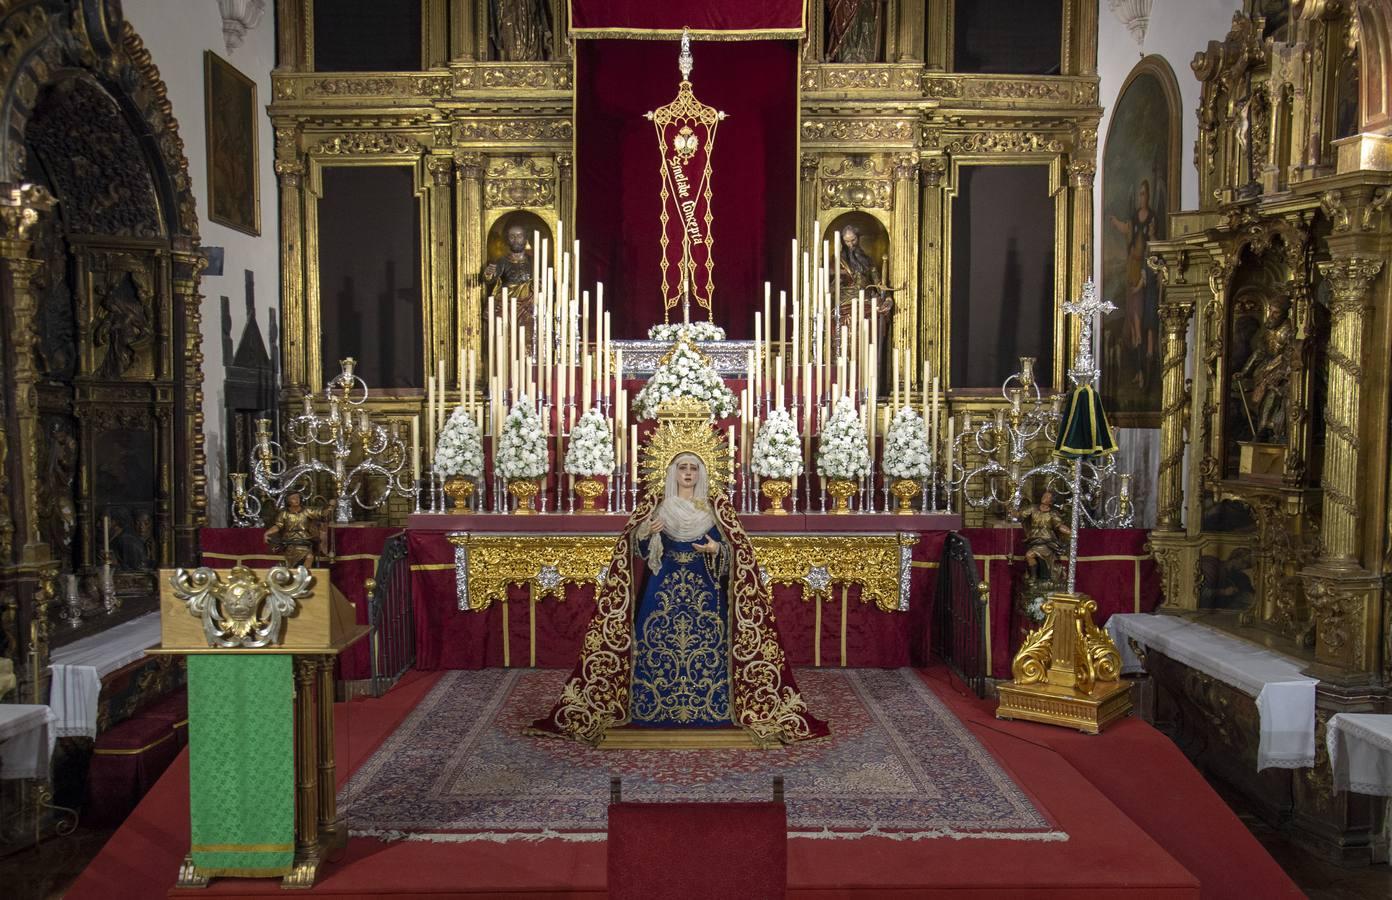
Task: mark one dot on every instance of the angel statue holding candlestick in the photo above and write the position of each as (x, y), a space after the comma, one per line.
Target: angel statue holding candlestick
(683, 635)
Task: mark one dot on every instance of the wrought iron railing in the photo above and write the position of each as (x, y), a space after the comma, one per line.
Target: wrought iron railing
(392, 616)
(959, 615)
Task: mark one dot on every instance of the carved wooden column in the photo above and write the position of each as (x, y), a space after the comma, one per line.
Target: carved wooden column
(471, 241)
(1081, 174)
(1174, 316)
(20, 208)
(290, 169)
(1351, 279)
(903, 268)
(565, 192)
(807, 207)
(932, 172)
(463, 26)
(191, 480)
(439, 196)
(307, 856)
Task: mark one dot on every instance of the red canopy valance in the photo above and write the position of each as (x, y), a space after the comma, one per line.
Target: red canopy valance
(708, 19)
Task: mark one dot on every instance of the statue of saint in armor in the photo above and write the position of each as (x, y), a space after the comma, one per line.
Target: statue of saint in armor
(513, 270)
(1045, 533)
(297, 531)
(1262, 381)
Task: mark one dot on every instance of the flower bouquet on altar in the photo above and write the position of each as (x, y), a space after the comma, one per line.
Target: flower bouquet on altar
(843, 453)
(777, 458)
(684, 372)
(522, 456)
(459, 456)
(590, 456)
(906, 456)
(692, 331)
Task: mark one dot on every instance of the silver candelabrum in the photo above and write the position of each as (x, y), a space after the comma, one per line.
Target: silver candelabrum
(360, 449)
(1003, 442)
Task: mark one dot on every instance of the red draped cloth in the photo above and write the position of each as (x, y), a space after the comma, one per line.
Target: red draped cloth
(733, 17)
(765, 700)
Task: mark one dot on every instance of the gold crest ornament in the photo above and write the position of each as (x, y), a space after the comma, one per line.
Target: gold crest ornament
(684, 426)
(244, 610)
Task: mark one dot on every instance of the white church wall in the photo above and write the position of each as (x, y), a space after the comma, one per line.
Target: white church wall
(1176, 31)
(177, 32)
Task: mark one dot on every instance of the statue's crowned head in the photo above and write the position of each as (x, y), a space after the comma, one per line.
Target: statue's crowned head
(684, 434)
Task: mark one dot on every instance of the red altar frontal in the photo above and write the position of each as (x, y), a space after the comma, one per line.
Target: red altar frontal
(533, 581)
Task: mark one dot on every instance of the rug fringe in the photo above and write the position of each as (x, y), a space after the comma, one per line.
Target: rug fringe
(503, 837)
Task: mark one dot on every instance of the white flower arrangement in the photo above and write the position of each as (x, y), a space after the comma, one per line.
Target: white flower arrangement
(777, 447)
(842, 448)
(459, 451)
(522, 446)
(906, 446)
(695, 331)
(1035, 609)
(591, 450)
(685, 374)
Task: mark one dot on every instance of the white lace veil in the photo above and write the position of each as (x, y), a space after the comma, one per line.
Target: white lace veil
(683, 520)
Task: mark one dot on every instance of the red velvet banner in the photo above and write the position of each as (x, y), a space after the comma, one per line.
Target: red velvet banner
(731, 16)
(619, 171)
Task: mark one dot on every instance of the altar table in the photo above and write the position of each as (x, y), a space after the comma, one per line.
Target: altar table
(26, 740)
(1285, 697)
(1360, 752)
(78, 669)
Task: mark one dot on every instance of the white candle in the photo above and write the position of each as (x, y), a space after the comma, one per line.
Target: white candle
(106, 535)
(429, 410)
(633, 457)
(415, 450)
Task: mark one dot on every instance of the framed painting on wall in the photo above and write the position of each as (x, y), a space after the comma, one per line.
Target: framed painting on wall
(230, 111)
(1140, 188)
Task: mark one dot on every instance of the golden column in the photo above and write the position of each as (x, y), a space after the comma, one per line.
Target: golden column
(931, 204)
(1174, 315)
(807, 210)
(470, 240)
(307, 847)
(904, 252)
(565, 191)
(445, 346)
(1351, 278)
(187, 265)
(290, 169)
(20, 208)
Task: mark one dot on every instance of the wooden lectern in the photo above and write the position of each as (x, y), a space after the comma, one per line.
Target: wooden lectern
(242, 614)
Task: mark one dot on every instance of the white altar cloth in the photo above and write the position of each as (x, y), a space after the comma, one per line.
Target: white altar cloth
(78, 669)
(26, 740)
(1285, 697)
(1360, 752)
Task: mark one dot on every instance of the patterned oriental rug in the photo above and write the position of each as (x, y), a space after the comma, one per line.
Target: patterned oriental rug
(898, 764)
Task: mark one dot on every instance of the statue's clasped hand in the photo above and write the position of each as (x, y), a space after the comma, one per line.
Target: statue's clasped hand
(709, 546)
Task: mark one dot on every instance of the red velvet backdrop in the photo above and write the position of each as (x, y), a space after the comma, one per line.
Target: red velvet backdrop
(698, 15)
(618, 171)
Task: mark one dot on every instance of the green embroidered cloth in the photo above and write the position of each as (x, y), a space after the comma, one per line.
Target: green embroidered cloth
(241, 763)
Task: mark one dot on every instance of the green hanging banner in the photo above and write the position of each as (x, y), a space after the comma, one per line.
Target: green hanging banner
(241, 763)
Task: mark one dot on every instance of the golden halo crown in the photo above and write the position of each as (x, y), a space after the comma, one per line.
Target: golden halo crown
(684, 426)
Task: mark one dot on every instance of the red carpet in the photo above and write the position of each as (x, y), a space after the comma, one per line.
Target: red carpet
(1140, 819)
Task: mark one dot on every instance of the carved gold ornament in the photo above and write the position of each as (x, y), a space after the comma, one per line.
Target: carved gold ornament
(243, 611)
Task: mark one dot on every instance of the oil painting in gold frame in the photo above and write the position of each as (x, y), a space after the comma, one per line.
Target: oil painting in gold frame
(230, 115)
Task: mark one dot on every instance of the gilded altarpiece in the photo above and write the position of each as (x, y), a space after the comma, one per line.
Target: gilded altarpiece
(1274, 464)
(879, 140)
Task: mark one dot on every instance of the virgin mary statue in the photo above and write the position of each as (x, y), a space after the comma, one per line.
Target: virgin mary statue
(683, 634)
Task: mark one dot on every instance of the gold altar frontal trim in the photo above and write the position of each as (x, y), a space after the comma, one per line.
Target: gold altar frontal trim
(678, 739)
(487, 564)
(1057, 705)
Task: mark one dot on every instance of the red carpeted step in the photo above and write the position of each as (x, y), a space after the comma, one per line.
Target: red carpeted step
(697, 850)
(171, 708)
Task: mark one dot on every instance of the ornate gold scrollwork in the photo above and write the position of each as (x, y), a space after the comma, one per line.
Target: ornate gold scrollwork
(367, 143)
(244, 610)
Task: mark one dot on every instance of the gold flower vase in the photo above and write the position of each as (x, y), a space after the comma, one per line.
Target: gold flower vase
(905, 489)
(459, 489)
(777, 491)
(524, 489)
(841, 491)
(588, 490)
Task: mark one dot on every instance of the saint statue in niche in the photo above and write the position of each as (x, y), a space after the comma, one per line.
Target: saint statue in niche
(123, 327)
(853, 31)
(683, 634)
(513, 270)
(1262, 381)
(856, 272)
(519, 30)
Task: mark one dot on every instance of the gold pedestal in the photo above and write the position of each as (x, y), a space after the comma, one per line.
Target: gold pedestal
(1068, 671)
(777, 491)
(524, 489)
(1260, 460)
(459, 489)
(588, 489)
(905, 489)
(841, 490)
(678, 739)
